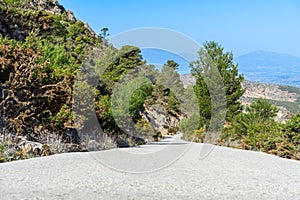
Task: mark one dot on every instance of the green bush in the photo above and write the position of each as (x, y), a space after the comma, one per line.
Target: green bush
(9, 153)
(3, 147)
(256, 130)
(173, 130)
(188, 126)
(157, 136)
(292, 130)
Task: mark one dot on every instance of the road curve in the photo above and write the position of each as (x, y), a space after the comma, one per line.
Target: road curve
(170, 169)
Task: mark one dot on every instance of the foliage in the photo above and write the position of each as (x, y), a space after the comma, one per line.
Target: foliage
(173, 130)
(137, 100)
(157, 136)
(129, 84)
(144, 128)
(40, 56)
(209, 85)
(169, 79)
(292, 130)
(256, 129)
(128, 100)
(292, 107)
(261, 110)
(58, 63)
(2, 152)
(115, 65)
(10, 153)
(291, 89)
(190, 101)
(113, 69)
(104, 33)
(188, 126)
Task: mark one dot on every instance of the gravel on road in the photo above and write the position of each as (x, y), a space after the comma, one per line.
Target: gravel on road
(170, 169)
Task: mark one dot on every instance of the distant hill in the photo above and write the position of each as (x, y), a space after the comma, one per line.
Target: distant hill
(270, 67)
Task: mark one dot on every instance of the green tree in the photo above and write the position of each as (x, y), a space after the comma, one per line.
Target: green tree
(169, 79)
(292, 128)
(213, 62)
(189, 125)
(104, 33)
(261, 110)
(125, 81)
(117, 63)
(256, 125)
(190, 101)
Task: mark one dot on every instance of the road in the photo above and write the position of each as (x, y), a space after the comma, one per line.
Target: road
(170, 169)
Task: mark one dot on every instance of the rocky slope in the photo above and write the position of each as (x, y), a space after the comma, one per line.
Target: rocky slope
(44, 49)
(268, 91)
(160, 119)
(19, 18)
(42, 46)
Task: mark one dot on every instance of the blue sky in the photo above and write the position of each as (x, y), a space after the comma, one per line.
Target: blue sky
(239, 26)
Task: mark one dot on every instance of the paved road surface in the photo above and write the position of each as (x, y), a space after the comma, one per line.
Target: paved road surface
(171, 169)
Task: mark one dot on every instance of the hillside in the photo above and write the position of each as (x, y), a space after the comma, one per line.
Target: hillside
(57, 80)
(42, 47)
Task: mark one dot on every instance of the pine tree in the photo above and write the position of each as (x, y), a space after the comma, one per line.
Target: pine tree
(217, 82)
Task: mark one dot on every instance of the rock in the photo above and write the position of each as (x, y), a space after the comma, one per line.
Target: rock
(253, 89)
(48, 5)
(87, 26)
(159, 118)
(70, 16)
(1, 139)
(283, 114)
(34, 148)
(268, 91)
(187, 79)
(18, 35)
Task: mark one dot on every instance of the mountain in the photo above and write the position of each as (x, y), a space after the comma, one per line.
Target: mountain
(270, 67)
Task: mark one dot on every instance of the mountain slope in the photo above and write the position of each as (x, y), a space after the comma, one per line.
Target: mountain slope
(49, 62)
(42, 47)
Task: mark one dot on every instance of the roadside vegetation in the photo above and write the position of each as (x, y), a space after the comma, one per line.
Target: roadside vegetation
(252, 127)
(42, 54)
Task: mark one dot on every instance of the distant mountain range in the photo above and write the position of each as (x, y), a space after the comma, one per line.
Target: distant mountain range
(257, 66)
(270, 67)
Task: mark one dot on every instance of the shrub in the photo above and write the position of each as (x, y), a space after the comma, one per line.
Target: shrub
(256, 130)
(173, 130)
(188, 125)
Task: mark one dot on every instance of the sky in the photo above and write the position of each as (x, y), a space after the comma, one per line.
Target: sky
(239, 26)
